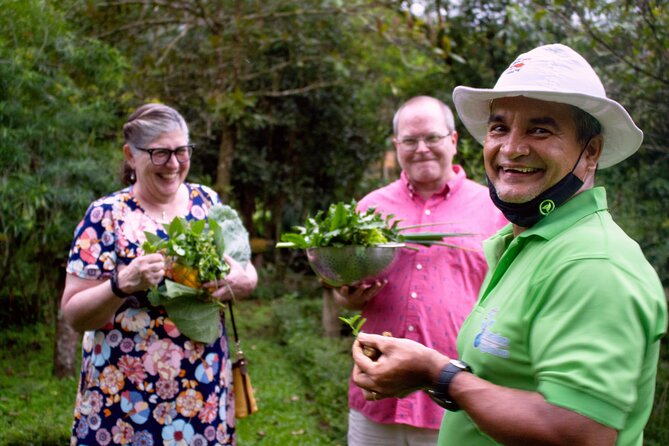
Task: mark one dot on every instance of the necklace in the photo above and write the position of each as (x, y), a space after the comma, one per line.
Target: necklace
(160, 220)
(163, 214)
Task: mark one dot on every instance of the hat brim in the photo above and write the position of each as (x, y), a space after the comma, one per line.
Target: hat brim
(621, 136)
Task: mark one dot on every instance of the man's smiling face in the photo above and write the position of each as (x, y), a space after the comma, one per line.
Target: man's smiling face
(530, 145)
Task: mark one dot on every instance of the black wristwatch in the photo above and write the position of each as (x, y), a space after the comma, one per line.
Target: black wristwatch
(439, 393)
(115, 288)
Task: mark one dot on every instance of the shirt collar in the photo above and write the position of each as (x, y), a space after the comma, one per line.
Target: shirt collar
(504, 243)
(581, 205)
(451, 185)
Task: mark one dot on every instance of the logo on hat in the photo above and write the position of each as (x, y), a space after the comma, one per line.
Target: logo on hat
(516, 65)
(546, 207)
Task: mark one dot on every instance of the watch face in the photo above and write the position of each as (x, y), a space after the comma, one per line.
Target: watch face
(459, 364)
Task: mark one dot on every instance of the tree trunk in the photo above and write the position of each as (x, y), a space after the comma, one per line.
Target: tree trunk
(65, 351)
(226, 152)
(331, 323)
(66, 339)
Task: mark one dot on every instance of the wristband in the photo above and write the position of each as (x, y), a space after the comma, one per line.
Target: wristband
(118, 292)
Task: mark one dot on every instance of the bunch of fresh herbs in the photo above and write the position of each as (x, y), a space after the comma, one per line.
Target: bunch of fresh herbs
(194, 256)
(344, 225)
(197, 245)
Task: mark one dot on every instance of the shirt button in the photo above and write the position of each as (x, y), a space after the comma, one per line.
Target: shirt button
(419, 267)
(414, 295)
(411, 328)
(428, 212)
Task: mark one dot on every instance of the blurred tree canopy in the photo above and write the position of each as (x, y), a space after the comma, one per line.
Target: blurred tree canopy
(290, 103)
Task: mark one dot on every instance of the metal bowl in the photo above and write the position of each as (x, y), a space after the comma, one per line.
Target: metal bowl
(352, 265)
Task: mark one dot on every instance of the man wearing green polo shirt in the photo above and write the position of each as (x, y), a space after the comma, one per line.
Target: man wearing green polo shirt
(563, 343)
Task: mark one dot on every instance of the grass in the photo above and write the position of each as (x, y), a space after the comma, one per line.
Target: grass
(35, 408)
(300, 380)
(300, 384)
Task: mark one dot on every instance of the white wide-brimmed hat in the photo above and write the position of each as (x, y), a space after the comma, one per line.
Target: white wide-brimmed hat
(554, 73)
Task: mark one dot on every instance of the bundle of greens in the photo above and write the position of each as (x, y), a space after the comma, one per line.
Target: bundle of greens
(343, 225)
(194, 256)
(194, 251)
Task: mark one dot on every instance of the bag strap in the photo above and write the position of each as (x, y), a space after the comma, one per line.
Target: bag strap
(234, 326)
(239, 353)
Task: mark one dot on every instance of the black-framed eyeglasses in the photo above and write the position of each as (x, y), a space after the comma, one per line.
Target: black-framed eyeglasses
(410, 144)
(161, 156)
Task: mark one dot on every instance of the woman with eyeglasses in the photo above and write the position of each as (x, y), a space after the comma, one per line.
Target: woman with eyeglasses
(142, 381)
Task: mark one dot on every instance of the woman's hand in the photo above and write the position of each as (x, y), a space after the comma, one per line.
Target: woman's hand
(142, 273)
(238, 283)
(90, 304)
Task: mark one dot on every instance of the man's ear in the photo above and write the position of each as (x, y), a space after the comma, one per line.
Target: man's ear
(454, 139)
(593, 151)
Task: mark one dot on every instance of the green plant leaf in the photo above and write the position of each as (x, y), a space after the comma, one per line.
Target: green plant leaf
(197, 227)
(196, 318)
(355, 322)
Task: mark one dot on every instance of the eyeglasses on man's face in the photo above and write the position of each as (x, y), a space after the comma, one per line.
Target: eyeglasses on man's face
(410, 144)
(161, 156)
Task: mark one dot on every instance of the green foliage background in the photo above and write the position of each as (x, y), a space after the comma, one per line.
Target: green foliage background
(60, 97)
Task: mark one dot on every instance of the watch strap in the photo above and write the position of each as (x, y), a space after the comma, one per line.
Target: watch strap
(118, 292)
(440, 392)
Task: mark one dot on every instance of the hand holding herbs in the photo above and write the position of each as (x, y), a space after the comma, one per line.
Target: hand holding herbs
(194, 255)
(356, 322)
(193, 251)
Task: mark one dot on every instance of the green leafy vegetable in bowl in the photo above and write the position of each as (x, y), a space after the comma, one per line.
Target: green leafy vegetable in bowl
(194, 255)
(346, 247)
(343, 225)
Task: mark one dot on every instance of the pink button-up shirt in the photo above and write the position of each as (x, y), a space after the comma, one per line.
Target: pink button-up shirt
(431, 291)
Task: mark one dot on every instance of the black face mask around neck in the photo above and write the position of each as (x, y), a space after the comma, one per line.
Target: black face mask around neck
(529, 213)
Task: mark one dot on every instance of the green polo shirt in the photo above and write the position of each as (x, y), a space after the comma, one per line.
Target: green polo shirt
(570, 309)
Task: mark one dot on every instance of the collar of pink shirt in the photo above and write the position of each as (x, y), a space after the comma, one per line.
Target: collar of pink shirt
(451, 185)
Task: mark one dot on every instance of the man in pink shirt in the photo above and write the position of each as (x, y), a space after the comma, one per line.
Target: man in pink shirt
(429, 292)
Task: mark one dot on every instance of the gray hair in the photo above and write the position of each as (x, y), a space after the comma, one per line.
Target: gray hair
(144, 126)
(448, 114)
(149, 121)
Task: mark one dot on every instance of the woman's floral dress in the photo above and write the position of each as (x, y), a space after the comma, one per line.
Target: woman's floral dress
(143, 382)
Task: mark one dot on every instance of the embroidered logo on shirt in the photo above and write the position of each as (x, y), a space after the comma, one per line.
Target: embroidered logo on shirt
(490, 342)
